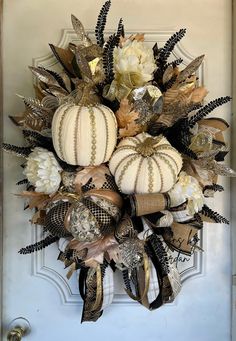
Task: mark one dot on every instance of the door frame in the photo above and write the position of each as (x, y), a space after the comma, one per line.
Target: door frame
(233, 163)
(232, 160)
(1, 164)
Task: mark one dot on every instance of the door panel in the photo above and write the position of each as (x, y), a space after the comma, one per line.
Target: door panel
(35, 286)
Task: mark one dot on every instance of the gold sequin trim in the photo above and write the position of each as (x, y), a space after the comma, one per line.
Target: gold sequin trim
(164, 159)
(60, 130)
(137, 175)
(165, 147)
(128, 164)
(172, 159)
(123, 148)
(120, 162)
(93, 131)
(107, 130)
(76, 136)
(150, 175)
(160, 173)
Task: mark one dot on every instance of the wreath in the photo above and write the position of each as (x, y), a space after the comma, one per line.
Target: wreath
(119, 162)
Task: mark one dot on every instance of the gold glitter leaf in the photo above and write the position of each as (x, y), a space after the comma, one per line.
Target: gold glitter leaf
(65, 57)
(168, 74)
(190, 69)
(43, 75)
(79, 30)
(83, 66)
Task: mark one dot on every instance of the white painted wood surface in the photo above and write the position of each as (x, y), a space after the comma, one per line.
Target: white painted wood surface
(34, 287)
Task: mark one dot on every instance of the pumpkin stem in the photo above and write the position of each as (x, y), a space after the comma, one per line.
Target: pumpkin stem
(88, 96)
(147, 147)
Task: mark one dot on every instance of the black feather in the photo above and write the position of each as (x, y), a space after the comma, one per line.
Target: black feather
(39, 245)
(22, 182)
(101, 23)
(165, 52)
(175, 63)
(35, 139)
(108, 57)
(207, 109)
(120, 31)
(214, 188)
(18, 151)
(208, 212)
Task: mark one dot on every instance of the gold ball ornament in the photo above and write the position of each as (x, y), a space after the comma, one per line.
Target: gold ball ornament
(145, 164)
(84, 135)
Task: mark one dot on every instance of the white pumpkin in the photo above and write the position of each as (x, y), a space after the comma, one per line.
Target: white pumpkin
(84, 135)
(145, 164)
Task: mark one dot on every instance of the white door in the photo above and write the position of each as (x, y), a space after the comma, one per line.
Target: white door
(34, 287)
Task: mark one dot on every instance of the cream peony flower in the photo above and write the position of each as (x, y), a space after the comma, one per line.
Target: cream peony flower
(187, 188)
(134, 63)
(43, 171)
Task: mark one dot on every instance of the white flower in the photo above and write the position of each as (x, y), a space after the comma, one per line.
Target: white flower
(187, 188)
(43, 171)
(134, 62)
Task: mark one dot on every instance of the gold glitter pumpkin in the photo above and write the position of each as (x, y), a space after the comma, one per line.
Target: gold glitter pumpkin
(145, 164)
(84, 135)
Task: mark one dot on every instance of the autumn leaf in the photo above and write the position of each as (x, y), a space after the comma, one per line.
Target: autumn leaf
(199, 94)
(97, 173)
(137, 37)
(131, 129)
(39, 218)
(125, 115)
(35, 199)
